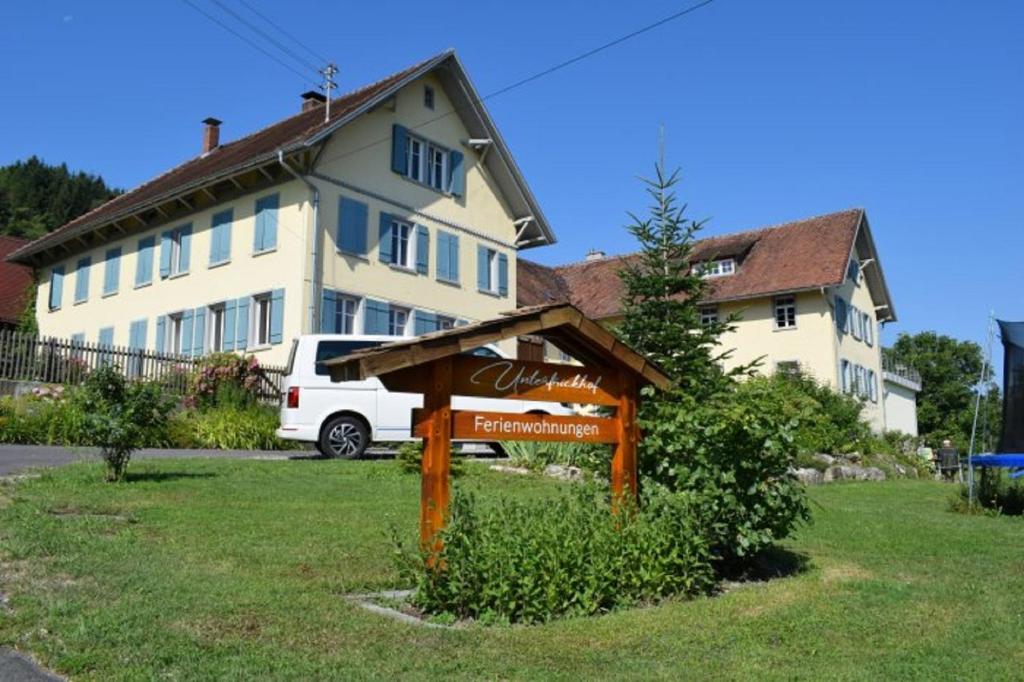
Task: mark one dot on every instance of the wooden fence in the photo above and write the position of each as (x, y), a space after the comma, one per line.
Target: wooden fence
(26, 357)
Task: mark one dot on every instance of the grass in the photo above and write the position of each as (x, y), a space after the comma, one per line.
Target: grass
(209, 569)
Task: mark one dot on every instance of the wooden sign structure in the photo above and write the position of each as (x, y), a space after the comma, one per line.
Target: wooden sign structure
(438, 366)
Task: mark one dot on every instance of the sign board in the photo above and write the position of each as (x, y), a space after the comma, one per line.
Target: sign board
(489, 426)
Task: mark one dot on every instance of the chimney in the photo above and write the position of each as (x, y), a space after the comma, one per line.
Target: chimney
(595, 254)
(312, 99)
(211, 135)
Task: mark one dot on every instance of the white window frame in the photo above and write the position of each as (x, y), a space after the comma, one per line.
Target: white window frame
(788, 367)
(718, 268)
(173, 333)
(415, 151)
(787, 303)
(393, 314)
(176, 252)
(855, 326)
(440, 184)
(260, 325)
(419, 163)
(708, 315)
(445, 322)
(397, 228)
(492, 271)
(343, 304)
(869, 329)
(214, 311)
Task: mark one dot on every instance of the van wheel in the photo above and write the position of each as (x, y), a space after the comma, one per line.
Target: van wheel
(345, 437)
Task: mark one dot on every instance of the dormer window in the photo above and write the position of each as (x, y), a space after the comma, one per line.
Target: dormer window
(717, 268)
(428, 97)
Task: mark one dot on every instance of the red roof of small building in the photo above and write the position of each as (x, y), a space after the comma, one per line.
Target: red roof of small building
(797, 256)
(15, 281)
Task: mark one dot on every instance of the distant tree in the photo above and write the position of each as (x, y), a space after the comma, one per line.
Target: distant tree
(663, 290)
(36, 198)
(950, 372)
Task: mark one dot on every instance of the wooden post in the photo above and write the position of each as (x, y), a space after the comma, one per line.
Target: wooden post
(624, 464)
(437, 449)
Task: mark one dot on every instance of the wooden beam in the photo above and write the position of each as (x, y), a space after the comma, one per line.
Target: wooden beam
(489, 426)
(624, 460)
(236, 183)
(208, 192)
(437, 452)
(265, 174)
(185, 202)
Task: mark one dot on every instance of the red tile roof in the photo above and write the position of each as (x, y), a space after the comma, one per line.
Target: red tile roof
(15, 281)
(796, 256)
(260, 145)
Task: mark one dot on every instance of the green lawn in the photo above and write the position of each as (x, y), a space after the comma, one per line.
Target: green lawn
(207, 569)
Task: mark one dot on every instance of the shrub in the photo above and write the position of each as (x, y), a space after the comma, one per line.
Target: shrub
(410, 459)
(731, 457)
(994, 491)
(536, 455)
(226, 379)
(233, 428)
(528, 562)
(119, 416)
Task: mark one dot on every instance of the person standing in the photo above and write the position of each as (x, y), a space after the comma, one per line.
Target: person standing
(947, 460)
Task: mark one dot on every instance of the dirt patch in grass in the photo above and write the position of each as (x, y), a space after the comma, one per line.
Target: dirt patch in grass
(843, 573)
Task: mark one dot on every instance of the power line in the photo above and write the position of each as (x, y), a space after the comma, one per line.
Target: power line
(246, 40)
(317, 56)
(263, 34)
(540, 74)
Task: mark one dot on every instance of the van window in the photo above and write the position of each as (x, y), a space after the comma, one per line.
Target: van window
(291, 358)
(329, 350)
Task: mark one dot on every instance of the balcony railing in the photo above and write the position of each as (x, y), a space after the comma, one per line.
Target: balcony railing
(890, 366)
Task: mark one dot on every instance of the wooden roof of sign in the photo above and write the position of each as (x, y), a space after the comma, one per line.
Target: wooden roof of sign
(562, 324)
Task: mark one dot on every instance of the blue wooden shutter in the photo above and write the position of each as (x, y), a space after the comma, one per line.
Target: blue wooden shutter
(220, 240)
(56, 287)
(503, 274)
(422, 249)
(424, 322)
(329, 312)
(456, 174)
(186, 332)
(186, 247)
(144, 261)
(82, 279)
(242, 324)
(376, 319)
(453, 257)
(112, 271)
(277, 316)
(78, 339)
(483, 269)
(161, 333)
(137, 334)
(199, 333)
(384, 239)
(230, 313)
(443, 256)
(106, 337)
(165, 253)
(399, 149)
(353, 224)
(265, 237)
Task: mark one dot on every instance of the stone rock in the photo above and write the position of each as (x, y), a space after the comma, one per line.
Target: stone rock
(809, 476)
(853, 473)
(827, 460)
(563, 473)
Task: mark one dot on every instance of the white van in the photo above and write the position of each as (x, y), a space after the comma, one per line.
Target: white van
(343, 418)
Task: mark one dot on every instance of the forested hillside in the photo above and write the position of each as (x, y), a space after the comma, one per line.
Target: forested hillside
(36, 197)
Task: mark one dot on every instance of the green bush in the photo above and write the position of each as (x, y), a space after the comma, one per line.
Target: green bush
(118, 416)
(528, 562)
(995, 491)
(226, 380)
(731, 457)
(231, 428)
(410, 459)
(536, 455)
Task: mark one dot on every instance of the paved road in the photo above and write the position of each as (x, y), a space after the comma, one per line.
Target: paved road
(17, 668)
(18, 458)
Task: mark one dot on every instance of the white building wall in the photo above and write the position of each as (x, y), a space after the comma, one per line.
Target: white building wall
(900, 407)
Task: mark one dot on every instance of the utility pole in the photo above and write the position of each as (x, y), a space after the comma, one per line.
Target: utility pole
(329, 85)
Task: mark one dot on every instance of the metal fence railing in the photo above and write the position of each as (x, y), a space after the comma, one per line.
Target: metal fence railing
(26, 357)
(899, 369)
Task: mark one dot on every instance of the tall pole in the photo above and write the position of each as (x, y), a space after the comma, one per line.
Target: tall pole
(977, 407)
(328, 86)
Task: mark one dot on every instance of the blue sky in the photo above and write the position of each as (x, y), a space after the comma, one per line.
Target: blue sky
(774, 111)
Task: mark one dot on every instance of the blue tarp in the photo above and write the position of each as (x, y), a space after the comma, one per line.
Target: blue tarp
(1001, 461)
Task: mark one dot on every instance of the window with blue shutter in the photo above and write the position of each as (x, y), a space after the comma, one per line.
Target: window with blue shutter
(220, 238)
(112, 271)
(422, 249)
(144, 261)
(353, 224)
(185, 242)
(186, 332)
(161, 334)
(503, 274)
(855, 322)
(399, 149)
(137, 335)
(82, 279)
(230, 314)
(175, 251)
(483, 268)
(106, 337)
(844, 376)
(277, 316)
(384, 245)
(78, 339)
(242, 324)
(329, 312)
(424, 322)
(456, 174)
(199, 333)
(265, 236)
(166, 252)
(56, 287)
(375, 320)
